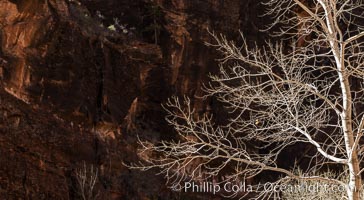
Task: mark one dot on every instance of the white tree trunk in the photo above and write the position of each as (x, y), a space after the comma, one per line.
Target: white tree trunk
(354, 183)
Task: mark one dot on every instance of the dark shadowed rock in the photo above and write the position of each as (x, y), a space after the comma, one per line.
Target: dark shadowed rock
(75, 90)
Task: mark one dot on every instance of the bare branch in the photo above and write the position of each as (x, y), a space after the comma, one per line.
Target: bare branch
(278, 96)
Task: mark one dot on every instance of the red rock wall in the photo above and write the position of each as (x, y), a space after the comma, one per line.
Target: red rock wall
(74, 91)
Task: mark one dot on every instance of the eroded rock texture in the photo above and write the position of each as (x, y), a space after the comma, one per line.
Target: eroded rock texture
(75, 90)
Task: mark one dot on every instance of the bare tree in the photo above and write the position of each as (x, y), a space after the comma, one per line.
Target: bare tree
(87, 179)
(277, 97)
(300, 189)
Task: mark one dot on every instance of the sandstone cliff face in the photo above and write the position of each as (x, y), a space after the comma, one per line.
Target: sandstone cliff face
(74, 91)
